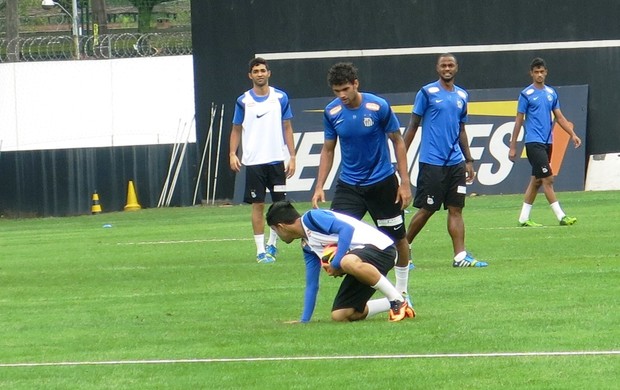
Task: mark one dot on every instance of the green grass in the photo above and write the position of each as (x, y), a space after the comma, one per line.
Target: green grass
(182, 283)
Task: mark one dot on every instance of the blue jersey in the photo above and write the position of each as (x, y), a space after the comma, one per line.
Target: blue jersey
(323, 228)
(362, 134)
(442, 113)
(537, 105)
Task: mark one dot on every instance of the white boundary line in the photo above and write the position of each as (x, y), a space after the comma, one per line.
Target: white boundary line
(314, 358)
(183, 241)
(406, 51)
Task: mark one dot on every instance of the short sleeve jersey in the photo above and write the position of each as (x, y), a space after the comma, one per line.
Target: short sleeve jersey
(442, 113)
(261, 119)
(362, 134)
(537, 105)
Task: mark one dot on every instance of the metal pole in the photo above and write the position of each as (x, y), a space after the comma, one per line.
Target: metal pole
(75, 30)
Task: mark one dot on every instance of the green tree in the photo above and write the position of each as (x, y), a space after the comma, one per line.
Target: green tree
(145, 11)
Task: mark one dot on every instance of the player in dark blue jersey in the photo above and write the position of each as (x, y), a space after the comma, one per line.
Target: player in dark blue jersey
(535, 105)
(364, 256)
(446, 164)
(363, 123)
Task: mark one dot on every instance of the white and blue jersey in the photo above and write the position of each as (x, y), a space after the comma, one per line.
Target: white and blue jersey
(261, 120)
(323, 228)
(442, 113)
(537, 106)
(363, 138)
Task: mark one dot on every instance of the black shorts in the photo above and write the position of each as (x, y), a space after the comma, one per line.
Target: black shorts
(353, 293)
(539, 156)
(260, 177)
(439, 185)
(376, 199)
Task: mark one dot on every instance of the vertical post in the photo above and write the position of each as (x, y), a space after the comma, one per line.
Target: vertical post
(75, 29)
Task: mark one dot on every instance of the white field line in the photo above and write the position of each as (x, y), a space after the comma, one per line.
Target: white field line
(182, 241)
(314, 358)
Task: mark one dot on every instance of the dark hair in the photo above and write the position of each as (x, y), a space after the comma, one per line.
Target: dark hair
(341, 73)
(538, 63)
(447, 55)
(257, 61)
(282, 212)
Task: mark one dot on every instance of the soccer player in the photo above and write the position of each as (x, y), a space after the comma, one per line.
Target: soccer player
(446, 164)
(535, 105)
(363, 123)
(262, 123)
(364, 256)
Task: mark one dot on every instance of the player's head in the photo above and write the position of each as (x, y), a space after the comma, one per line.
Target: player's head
(538, 63)
(341, 73)
(447, 67)
(259, 72)
(257, 61)
(342, 78)
(280, 216)
(538, 70)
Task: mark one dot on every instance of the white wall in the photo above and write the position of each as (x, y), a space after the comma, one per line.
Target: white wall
(102, 103)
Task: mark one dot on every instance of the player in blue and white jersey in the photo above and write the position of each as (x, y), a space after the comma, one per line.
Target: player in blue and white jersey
(262, 124)
(363, 123)
(446, 164)
(534, 108)
(364, 256)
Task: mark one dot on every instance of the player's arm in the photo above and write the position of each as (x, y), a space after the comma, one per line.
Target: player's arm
(412, 129)
(469, 161)
(325, 166)
(290, 145)
(313, 269)
(404, 189)
(235, 140)
(566, 126)
(512, 154)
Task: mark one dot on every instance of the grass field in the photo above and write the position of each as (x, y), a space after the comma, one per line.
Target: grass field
(173, 299)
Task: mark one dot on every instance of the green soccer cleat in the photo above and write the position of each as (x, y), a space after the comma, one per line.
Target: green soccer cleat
(566, 220)
(529, 223)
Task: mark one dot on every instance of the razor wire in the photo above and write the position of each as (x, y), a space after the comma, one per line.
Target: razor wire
(125, 45)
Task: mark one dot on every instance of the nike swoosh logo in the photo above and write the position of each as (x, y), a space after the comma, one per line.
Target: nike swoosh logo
(438, 100)
(261, 115)
(339, 121)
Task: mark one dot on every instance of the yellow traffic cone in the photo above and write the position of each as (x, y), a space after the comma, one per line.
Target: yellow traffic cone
(132, 200)
(96, 207)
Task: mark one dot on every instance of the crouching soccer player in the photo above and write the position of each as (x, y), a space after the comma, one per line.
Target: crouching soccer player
(364, 256)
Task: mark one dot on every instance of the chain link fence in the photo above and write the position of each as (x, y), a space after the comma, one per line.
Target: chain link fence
(36, 30)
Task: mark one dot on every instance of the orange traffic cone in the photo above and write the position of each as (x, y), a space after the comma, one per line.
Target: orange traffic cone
(132, 200)
(96, 207)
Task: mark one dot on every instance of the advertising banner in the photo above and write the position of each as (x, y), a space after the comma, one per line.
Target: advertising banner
(491, 116)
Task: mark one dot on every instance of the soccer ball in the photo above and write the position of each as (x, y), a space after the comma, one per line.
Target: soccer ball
(329, 252)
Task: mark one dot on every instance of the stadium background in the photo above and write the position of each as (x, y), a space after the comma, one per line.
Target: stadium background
(225, 35)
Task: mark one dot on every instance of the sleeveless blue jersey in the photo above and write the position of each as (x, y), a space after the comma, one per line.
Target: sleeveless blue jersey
(362, 134)
(442, 113)
(537, 105)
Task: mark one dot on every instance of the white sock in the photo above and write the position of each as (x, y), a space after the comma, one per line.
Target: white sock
(460, 256)
(259, 239)
(377, 306)
(559, 214)
(273, 237)
(388, 289)
(402, 278)
(525, 212)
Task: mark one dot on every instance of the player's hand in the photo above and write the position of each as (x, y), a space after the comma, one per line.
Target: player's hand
(577, 141)
(331, 271)
(404, 196)
(235, 164)
(319, 196)
(512, 154)
(290, 168)
(470, 174)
